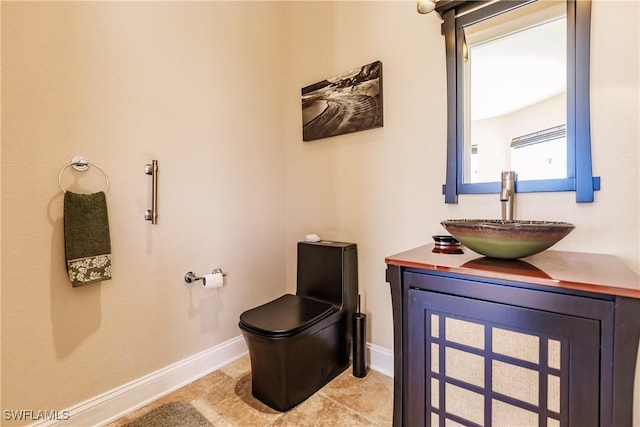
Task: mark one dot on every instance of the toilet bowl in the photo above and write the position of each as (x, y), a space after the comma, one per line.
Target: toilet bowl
(298, 343)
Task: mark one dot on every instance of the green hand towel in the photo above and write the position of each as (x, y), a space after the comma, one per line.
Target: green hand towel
(86, 238)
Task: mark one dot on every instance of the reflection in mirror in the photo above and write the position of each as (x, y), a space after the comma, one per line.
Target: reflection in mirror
(518, 96)
(515, 88)
(540, 155)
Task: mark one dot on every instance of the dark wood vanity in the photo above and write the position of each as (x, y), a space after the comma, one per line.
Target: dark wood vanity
(550, 340)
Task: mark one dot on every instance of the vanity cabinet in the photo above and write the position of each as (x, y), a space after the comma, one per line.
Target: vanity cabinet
(547, 341)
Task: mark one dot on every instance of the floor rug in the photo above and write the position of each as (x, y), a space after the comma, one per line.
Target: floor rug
(174, 414)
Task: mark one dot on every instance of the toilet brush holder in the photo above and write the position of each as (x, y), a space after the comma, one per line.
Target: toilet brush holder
(359, 343)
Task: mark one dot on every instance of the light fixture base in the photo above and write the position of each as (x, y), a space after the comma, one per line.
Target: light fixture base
(426, 6)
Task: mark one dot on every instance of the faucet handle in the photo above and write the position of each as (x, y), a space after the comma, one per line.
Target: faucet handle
(507, 193)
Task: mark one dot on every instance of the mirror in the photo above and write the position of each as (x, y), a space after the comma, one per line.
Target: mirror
(518, 96)
(515, 68)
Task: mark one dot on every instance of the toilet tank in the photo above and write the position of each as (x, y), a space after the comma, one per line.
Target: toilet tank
(328, 271)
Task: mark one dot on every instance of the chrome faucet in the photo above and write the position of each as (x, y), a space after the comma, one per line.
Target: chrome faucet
(507, 195)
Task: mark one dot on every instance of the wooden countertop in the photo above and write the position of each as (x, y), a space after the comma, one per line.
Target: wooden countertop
(602, 274)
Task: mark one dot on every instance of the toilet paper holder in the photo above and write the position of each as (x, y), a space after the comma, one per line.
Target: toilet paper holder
(190, 277)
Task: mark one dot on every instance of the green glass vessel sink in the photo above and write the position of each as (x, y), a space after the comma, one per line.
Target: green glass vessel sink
(507, 239)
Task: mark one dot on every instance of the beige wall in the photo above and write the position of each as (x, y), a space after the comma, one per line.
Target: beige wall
(212, 90)
(382, 188)
(197, 86)
(379, 188)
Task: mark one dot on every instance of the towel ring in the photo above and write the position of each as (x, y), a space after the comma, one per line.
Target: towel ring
(81, 164)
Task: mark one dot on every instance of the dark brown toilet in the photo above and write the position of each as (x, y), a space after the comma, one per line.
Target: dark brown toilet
(298, 343)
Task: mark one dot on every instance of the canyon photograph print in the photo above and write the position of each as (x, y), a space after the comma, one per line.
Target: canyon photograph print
(346, 103)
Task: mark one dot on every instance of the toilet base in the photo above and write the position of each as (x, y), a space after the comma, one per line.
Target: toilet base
(287, 371)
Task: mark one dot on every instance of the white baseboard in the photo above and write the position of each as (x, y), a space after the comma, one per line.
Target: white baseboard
(380, 359)
(113, 404)
(122, 400)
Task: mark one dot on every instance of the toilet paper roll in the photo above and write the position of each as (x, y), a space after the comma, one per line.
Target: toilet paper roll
(213, 280)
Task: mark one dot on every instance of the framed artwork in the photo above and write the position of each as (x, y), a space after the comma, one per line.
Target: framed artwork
(346, 103)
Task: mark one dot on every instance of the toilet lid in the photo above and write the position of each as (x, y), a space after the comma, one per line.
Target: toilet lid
(286, 315)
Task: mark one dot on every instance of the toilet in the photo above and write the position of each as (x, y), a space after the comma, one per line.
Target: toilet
(298, 343)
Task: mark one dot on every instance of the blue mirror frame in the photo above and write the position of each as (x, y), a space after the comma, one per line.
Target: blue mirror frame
(458, 14)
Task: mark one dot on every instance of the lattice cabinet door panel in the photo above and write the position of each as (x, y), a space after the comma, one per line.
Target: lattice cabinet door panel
(479, 363)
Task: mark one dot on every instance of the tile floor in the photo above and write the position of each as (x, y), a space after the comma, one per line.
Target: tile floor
(224, 398)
